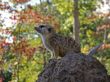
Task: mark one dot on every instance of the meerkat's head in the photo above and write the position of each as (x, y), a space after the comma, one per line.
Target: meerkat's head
(45, 30)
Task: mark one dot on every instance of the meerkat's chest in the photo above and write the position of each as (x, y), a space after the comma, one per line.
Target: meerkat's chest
(46, 44)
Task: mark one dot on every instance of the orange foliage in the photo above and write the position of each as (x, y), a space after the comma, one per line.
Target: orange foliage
(103, 15)
(23, 48)
(4, 6)
(20, 1)
(106, 22)
(31, 16)
(1, 49)
(2, 46)
(26, 16)
(1, 79)
(6, 31)
(102, 27)
(92, 18)
(104, 46)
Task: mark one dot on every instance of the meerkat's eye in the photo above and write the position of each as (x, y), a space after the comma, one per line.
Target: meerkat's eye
(49, 29)
(42, 26)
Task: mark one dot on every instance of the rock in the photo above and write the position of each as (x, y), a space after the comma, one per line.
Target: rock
(74, 68)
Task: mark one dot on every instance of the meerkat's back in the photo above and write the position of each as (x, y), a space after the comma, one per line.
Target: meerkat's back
(63, 45)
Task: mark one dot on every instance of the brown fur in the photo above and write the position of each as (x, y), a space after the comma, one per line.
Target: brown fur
(57, 44)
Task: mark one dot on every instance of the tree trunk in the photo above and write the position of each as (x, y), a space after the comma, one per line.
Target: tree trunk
(76, 25)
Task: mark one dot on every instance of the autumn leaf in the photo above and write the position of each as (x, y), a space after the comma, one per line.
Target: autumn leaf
(20, 1)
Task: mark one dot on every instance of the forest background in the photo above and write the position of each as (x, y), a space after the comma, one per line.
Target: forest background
(22, 55)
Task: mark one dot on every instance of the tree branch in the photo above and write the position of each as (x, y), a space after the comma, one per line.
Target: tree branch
(94, 49)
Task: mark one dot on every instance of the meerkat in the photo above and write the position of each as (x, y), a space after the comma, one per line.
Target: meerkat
(57, 44)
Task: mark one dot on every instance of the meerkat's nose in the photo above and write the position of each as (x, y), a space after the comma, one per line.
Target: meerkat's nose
(36, 27)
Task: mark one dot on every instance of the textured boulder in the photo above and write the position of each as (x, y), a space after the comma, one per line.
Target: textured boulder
(74, 68)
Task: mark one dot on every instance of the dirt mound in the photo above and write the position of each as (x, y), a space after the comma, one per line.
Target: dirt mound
(74, 68)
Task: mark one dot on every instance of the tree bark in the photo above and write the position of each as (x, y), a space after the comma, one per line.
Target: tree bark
(76, 24)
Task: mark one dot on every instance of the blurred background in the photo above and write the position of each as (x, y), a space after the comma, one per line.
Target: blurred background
(22, 55)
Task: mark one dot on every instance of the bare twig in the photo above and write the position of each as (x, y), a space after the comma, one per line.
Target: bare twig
(94, 49)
